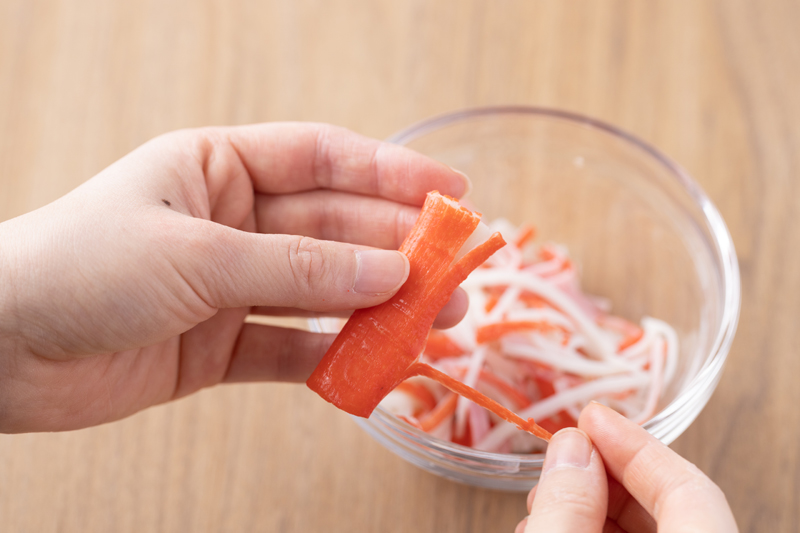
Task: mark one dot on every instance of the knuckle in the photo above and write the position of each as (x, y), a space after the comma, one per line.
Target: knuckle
(562, 496)
(692, 482)
(307, 264)
(404, 221)
(578, 499)
(691, 485)
(322, 165)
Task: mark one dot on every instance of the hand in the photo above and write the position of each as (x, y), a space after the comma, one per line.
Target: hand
(657, 489)
(132, 290)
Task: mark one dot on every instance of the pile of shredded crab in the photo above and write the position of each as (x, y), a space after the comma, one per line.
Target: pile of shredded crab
(535, 343)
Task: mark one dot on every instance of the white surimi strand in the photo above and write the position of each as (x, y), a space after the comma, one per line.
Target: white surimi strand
(551, 316)
(671, 338)
(657, 354)
(478, 236)
(559, 359)
(470, 379)
(503, 305)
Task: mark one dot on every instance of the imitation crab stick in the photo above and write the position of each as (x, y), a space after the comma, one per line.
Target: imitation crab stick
(379, 347)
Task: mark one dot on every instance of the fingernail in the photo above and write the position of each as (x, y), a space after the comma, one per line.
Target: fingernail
(568, 447)
(379, 271)
(467, 182)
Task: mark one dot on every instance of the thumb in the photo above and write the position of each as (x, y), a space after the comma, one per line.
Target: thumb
(572, 494)
(233, 268)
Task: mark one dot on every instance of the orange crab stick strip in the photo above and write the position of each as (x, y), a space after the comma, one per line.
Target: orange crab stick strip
(421, 369)
(440, 346)
(526, 233)
(378, 346)
(631, 339)
(493, 332)
(438, 415)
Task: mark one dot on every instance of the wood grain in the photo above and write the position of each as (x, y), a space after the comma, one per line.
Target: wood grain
(713, 84)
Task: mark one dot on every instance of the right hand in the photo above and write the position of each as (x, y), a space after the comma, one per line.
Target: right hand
(643, 487)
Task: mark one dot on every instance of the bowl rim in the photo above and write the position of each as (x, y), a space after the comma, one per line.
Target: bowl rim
(720, 239)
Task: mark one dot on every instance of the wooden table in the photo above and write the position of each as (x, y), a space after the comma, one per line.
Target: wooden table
(716, 85)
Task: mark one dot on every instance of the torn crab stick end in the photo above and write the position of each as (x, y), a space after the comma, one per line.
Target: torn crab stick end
(380, 346)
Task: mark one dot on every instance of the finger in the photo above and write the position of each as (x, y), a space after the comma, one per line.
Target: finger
(267, 353)
(450, 315)
(454, 310)
(675, 492)
(291, 157)
(626, 512)
(334, 216)
(572, 492)
(531, 497)
(227, 268)
(612, 527)
(206, 350)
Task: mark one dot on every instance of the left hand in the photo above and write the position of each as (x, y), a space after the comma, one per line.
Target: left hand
(132, 290)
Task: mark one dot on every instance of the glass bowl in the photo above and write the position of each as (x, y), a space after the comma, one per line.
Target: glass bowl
(642, 232)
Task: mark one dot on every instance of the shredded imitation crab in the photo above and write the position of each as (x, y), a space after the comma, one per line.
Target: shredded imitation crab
(536, 344)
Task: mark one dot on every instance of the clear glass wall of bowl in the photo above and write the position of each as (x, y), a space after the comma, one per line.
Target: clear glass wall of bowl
(642, 232)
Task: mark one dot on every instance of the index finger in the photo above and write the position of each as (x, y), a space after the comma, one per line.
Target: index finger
(292, 157)
(670, 488)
